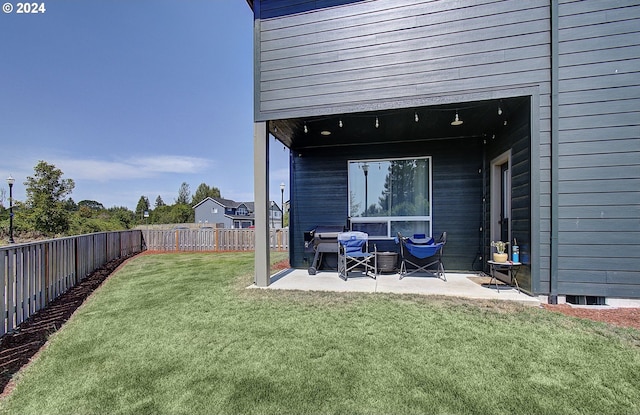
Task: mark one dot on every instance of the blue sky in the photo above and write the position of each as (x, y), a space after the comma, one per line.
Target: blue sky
(132, 98)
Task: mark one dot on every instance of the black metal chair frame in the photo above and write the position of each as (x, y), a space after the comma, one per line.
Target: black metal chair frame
(362, 258)
(422, 264)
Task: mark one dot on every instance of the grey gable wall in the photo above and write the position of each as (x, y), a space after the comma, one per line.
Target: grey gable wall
(204, 212)
(599, 148)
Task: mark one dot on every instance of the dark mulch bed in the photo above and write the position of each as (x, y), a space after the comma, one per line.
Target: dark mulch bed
(18, 347)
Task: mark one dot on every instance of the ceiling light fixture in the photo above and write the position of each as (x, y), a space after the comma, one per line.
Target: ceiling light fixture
(499, 110)
(415, 117)
(340, 123)
(306, 130)
(377, 123)
(457, 120)
(325, 132)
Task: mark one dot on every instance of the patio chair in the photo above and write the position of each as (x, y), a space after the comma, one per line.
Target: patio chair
(353, 252)
(418, 254)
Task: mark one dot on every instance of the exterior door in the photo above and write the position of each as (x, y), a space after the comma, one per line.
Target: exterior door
(505, 202)
(501, 199)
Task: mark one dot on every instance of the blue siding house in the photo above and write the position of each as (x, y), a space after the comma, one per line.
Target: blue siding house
(491, 120)
(225, 213)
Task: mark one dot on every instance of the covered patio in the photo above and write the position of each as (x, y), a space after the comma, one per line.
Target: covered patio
(459, 284)
(465, 168)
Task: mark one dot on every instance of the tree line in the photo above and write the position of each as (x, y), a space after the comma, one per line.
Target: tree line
(180, 212)
(49, 211)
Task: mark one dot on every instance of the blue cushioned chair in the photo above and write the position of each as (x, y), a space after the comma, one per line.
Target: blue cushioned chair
(419, 254)
(353, 252)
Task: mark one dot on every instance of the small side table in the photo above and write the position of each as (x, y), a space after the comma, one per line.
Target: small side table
(511, 267)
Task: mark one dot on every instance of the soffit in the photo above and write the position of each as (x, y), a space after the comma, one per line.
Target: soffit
(479, 118)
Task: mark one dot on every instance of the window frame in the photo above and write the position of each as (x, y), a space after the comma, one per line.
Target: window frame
(390, 219)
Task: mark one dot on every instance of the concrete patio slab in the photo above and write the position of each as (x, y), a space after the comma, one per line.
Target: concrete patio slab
(457, 285)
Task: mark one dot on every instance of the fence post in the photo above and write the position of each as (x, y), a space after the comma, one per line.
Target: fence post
(3, 299)
(46, 273)
(11, 285)
(77, 258)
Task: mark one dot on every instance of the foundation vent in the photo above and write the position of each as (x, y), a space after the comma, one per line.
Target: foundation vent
(586, 300)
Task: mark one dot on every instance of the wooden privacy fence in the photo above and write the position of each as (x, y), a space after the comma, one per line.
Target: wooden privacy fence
(34, 274)
(211, 239)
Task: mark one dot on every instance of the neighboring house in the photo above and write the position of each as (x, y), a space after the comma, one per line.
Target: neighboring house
(225, 213)
(490, 120)
(275, 215)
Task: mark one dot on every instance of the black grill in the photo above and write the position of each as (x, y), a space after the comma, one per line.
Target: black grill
(322, 239)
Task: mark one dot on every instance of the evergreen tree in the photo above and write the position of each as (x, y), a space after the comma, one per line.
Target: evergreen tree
(141, 207)
(203, 191)
(184, 194)
(405, 190)
(159, 202)
(70, 205)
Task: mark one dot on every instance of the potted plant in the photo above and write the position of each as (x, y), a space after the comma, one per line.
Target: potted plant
(500, 246)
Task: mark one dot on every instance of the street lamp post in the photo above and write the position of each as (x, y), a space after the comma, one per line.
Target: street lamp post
(282, 204)
(365, 169)
(11, 181)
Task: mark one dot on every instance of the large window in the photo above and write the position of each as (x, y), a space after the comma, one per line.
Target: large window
(390, 196)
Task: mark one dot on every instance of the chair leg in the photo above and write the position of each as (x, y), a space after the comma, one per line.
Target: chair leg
(375, 266)
(342, 267)
(441, 267)
(427, 269)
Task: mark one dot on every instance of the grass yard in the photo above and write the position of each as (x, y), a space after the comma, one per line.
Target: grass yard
(180, 334)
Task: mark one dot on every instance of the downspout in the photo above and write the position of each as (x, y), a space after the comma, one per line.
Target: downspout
(554, 157)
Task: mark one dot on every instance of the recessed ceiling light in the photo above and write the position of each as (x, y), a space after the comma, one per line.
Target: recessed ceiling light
(325, 132)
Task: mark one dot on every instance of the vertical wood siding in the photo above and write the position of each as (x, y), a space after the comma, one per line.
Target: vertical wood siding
(599, 148)
(32, 275)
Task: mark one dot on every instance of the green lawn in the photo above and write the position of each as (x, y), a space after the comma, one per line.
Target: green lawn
(180, 334)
